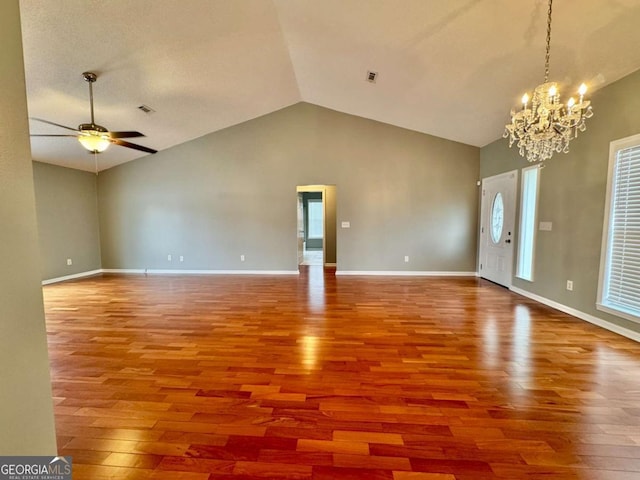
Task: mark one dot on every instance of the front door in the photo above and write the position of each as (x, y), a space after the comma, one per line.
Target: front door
(497, 221)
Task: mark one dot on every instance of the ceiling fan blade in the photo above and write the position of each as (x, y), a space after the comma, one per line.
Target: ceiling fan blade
(51, 135)
(125, 134)
(122, 143)
(52, 123)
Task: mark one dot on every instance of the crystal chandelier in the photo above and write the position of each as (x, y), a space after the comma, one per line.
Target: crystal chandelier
(547, 126)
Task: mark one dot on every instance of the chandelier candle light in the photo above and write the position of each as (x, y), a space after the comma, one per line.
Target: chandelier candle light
(546, 126)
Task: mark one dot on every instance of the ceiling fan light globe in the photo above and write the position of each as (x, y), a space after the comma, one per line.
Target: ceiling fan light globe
(94, 142)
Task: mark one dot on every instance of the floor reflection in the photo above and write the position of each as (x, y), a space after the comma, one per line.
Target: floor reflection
(521, 336)
(309, 351)
(315, 288)
(520, 350)
(491, 343)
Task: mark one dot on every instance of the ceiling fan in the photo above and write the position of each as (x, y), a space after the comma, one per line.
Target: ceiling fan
(96, 138)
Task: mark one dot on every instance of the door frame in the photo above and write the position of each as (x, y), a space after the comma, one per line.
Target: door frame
(300, 228)
(323, 190)
(483, 198)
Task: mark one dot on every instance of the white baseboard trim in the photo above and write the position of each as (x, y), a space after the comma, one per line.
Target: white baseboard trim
(625, 332)
(405, 273)
(71, 277)
(124, 270)
(150, 271)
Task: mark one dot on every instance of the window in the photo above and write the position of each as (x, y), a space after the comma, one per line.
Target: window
(619, 288)
(528, 218)
(314, 207)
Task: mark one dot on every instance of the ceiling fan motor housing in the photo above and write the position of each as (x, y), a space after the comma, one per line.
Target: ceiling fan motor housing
(83, 127)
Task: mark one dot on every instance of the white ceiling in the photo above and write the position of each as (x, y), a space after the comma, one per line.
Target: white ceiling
(448, 68)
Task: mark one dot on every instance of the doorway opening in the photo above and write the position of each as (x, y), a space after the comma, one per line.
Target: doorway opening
(316, 225)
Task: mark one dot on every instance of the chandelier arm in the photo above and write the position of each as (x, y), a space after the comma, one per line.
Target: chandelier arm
(548, 53)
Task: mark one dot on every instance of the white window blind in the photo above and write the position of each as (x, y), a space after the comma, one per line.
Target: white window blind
(621, 290)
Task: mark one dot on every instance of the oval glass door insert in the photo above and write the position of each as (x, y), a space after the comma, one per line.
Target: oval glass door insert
(497, 218)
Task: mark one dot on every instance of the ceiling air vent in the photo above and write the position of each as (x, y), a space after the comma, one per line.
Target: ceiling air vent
(146, 109)
(372, 76)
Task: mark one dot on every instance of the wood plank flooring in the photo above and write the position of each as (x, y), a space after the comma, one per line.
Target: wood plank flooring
(321, 377)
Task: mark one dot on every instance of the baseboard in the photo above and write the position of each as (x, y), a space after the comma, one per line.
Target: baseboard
(150, 271)
(72, 277)
(404, 273)
(625, 332)
(124, 270)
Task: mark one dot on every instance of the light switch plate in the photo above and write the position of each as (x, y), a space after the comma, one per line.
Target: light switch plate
(346, 224)
(546, 226)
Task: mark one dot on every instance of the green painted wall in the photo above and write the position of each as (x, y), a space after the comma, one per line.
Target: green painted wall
(26, 407)
(572, 196)
(67, 210)
(233, 193)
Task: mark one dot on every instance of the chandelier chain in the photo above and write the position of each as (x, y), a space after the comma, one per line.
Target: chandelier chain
(548, 54)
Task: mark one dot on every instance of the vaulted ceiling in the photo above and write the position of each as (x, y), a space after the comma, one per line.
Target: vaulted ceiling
(452, 69)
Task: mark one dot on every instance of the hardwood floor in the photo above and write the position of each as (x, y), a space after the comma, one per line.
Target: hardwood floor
(318, 377)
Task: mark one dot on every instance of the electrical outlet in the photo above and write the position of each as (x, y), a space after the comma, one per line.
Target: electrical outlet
(69, 261)
(242, 258)
(169, 257)
(182, 258)
(406, 258)
(570, 285)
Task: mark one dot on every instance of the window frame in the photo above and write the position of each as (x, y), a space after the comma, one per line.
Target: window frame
(603, 277)
(521, 229)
